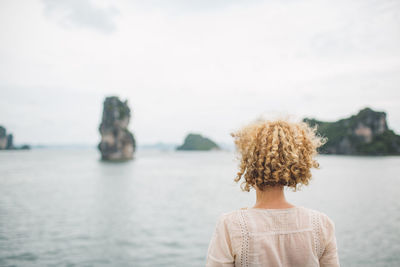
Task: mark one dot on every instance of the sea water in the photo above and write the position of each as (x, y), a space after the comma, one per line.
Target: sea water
(65, 207)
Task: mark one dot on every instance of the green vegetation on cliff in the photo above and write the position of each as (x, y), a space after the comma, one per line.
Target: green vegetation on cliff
(197, 142)
(366, 133)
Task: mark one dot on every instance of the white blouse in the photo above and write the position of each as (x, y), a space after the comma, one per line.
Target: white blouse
(273, 237)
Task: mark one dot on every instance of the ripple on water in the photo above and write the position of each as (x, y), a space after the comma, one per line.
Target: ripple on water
(26, 256)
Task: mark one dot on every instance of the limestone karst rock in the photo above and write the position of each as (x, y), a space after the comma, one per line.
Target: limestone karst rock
(198, 142)
(366, 133)
(6, 140)
(117, 142)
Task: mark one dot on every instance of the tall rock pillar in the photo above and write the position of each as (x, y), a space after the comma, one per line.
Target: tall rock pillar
(117, 142)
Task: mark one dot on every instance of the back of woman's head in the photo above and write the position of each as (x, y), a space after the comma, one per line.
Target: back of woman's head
(276, 153)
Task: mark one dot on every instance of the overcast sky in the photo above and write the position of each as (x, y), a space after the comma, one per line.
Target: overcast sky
(192, 66)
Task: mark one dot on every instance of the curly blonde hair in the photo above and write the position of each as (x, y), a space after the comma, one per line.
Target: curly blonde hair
(276, 153)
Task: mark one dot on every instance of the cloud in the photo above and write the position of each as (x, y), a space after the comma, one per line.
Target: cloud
(191, 6)
(81, 13)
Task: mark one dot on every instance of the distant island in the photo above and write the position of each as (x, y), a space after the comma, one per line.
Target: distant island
(6, 141)
(366, 133)
(197, 142)
(117, 142)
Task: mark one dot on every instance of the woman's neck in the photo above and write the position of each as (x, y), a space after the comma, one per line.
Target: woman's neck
(271, 198)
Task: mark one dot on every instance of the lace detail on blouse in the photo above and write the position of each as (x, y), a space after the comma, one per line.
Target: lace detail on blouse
(316, 230)
(244, 259)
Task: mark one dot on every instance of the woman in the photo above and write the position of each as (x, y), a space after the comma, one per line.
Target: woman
(274, 154)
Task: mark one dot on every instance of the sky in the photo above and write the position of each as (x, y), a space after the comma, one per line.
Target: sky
(207, 67)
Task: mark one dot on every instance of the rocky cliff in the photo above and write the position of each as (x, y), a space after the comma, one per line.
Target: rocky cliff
(6, 141)
(197, 142)
(366, 133)
(117, 142)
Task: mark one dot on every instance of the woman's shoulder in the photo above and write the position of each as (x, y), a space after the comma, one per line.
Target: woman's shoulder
(232, 219)
(321, 215)
(230, 215)
(321, 220)
(238, 221)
